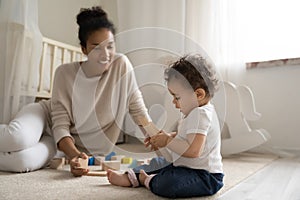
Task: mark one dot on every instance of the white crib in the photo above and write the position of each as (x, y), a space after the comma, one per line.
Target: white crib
(54, 53)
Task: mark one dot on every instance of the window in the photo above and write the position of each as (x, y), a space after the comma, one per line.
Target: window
(268, 29)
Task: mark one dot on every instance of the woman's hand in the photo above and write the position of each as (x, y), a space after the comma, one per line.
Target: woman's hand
(75, 167)
(161, 139)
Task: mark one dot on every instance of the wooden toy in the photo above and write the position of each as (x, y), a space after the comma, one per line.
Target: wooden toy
(57, 163)
(133, 164)
(83, 163)
(149, 127)
(126, 160)
(152, 130)
(117, 157)
(91, 160)
(108, 157)
(67, 161)
(99, 160)
(96, 173)
(141, 162)
(237, 134)
(112, 164)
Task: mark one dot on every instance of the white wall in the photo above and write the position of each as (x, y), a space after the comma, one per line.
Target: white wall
(57, 18)
(277, 96)
(276, 88)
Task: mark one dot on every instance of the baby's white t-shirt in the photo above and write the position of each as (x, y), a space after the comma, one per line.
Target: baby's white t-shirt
(202, 120)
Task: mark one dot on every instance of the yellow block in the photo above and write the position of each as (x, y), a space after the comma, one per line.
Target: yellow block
(126, 160)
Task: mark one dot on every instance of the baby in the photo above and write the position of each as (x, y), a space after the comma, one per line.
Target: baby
(196, 169)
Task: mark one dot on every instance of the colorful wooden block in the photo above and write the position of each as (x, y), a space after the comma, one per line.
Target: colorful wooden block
(141, 162)
(83, 163)
(133, 164)
(108, 157)
(67, 161)
(112, 164)
(91, 160)
(96, 173)
(117, 157)
(126, 160)
(99, 160)
(57, 163)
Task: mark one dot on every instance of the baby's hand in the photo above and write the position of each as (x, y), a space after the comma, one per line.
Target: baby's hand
(160, 140)
(148, 143)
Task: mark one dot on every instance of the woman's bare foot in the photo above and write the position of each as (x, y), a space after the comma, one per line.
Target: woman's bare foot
(118, 179)
(142, 177)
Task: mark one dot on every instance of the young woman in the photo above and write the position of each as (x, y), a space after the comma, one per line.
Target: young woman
(196, 169)
(87, 108)
(90, 99)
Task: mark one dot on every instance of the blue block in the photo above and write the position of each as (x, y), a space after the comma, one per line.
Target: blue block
(133, 164)
(108, 157)
(91, 161)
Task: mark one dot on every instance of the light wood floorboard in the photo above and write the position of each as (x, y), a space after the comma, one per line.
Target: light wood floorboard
(278, 181)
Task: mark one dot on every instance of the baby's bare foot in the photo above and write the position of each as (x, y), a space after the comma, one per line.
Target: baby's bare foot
(118, 179)
(143, 175)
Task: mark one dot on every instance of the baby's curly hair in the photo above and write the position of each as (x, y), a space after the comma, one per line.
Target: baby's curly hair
(197, 71)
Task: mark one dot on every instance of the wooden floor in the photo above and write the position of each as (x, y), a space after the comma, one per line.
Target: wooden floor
(278, 181)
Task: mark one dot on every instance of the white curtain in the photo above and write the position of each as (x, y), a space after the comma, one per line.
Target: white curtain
(156, 31)
(20, 52)
(213, 24)
(181, 26)
(152, 33)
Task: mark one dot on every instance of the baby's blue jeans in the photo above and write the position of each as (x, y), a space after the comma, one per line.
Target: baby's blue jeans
(180, 182)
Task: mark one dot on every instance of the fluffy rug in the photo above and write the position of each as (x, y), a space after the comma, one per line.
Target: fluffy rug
(52, 184)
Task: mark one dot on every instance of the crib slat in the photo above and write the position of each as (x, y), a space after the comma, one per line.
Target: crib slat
(62, 45)
(53, 68)
(75, 55)
(63, 55)
(42, 66)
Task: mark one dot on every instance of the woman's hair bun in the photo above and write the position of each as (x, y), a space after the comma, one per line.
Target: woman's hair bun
(89, 15)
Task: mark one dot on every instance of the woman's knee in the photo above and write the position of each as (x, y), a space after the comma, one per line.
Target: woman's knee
(24, 130)
(29, 159)
(14, 137)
